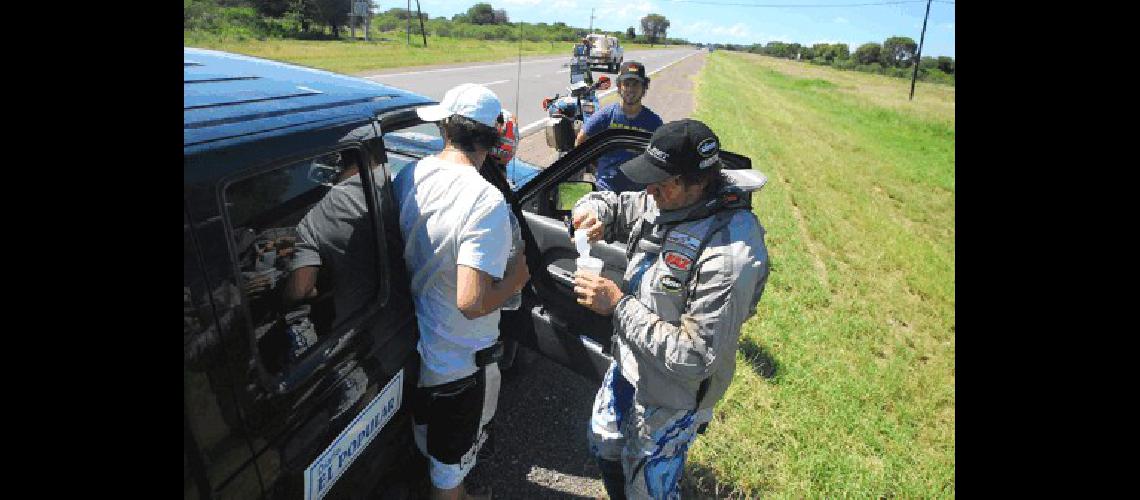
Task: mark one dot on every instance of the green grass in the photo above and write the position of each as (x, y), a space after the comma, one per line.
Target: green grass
(388, 50)
(858, 313)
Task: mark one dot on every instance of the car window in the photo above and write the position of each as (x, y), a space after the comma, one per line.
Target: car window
(307, 252)
(614, 155)
(542, 201)
(407, 145)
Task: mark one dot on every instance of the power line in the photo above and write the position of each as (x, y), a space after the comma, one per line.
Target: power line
(783, 6)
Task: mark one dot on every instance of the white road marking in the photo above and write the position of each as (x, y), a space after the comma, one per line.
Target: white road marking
(533, 127)
(562, 71)
(494, 83)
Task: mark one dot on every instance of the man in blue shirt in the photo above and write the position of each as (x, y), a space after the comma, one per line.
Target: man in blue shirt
(630, 114)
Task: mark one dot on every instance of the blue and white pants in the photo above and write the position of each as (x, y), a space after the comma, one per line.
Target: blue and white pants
(650, 442)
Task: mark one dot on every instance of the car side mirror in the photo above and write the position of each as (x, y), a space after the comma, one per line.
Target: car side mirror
(569, 193)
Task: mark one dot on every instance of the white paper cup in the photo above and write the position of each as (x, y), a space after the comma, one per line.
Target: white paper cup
(590, 265)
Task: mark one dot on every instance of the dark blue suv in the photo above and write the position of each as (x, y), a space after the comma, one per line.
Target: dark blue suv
(294, 384)
(298, 327)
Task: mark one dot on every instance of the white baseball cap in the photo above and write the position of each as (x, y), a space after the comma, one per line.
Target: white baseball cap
(469, 100)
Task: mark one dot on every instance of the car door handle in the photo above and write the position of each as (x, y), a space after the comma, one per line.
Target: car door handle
(564, 276)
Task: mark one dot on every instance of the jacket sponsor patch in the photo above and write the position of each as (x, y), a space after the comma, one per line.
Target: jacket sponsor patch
(669, 283)
(707, 147)
(684, 240)
(678, 261)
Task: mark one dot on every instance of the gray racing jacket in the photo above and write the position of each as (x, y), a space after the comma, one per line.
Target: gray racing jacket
(694, 276)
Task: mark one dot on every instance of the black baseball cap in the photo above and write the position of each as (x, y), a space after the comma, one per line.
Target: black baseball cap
(632, 69)
(676, 148)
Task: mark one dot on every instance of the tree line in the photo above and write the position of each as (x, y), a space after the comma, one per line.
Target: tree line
(328, 19)
(894, 57)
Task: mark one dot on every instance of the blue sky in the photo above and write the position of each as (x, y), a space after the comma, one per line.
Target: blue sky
(706, 23)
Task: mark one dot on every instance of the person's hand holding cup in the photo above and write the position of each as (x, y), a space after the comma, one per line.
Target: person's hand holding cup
(595, 292)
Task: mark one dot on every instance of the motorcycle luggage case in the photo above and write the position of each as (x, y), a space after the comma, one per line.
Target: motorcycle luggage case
(560, 133)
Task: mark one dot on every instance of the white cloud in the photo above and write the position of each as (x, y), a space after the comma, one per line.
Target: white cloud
(947, 26)
(613, 9)
(738, 30)
(840, 20)
(522, 2)
(692, 30)
(565, 4)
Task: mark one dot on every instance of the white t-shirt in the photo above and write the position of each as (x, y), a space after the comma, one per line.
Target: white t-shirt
(450, 215)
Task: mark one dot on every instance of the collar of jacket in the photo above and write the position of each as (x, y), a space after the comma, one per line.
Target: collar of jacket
(736, 193)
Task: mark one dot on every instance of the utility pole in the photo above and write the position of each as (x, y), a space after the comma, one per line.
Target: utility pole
(409, 10)
(918, 57)
(591, 19)
(420, 15)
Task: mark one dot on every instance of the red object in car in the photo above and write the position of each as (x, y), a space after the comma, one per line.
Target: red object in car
(507, 127)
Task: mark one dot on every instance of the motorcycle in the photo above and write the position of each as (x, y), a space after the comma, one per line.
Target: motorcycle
(567, 113)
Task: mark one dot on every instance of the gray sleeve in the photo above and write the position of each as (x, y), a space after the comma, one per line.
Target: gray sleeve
(306, 250)
(617, 212)
(688, 351)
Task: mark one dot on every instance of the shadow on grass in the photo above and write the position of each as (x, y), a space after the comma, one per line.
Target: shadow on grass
(699, 481)
(759, 359)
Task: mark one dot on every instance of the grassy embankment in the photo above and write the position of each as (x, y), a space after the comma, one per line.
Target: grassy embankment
(388, 50)
(858, 315)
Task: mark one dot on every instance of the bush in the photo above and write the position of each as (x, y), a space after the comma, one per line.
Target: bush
(935, 76)
(220, 18)
(238, 23)
(844, 64)
(900, 72)
(387, 23)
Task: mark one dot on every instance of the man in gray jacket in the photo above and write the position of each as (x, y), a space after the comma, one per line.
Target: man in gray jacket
(697, 268)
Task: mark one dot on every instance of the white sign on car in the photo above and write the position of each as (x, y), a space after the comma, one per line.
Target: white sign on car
(328, 467)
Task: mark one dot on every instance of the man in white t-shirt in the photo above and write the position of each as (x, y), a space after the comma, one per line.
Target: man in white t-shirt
(457, 234)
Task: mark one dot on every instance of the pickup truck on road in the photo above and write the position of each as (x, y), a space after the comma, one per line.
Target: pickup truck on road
(605, 51)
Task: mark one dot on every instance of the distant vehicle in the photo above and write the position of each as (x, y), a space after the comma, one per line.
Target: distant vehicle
(605, 51)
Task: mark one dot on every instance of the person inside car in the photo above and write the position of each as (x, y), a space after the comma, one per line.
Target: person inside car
(457, 234)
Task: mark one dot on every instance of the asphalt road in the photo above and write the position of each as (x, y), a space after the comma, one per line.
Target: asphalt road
(542, 76)
(540, 448)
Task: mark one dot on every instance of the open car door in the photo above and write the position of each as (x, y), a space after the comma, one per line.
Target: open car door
(550, 319)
